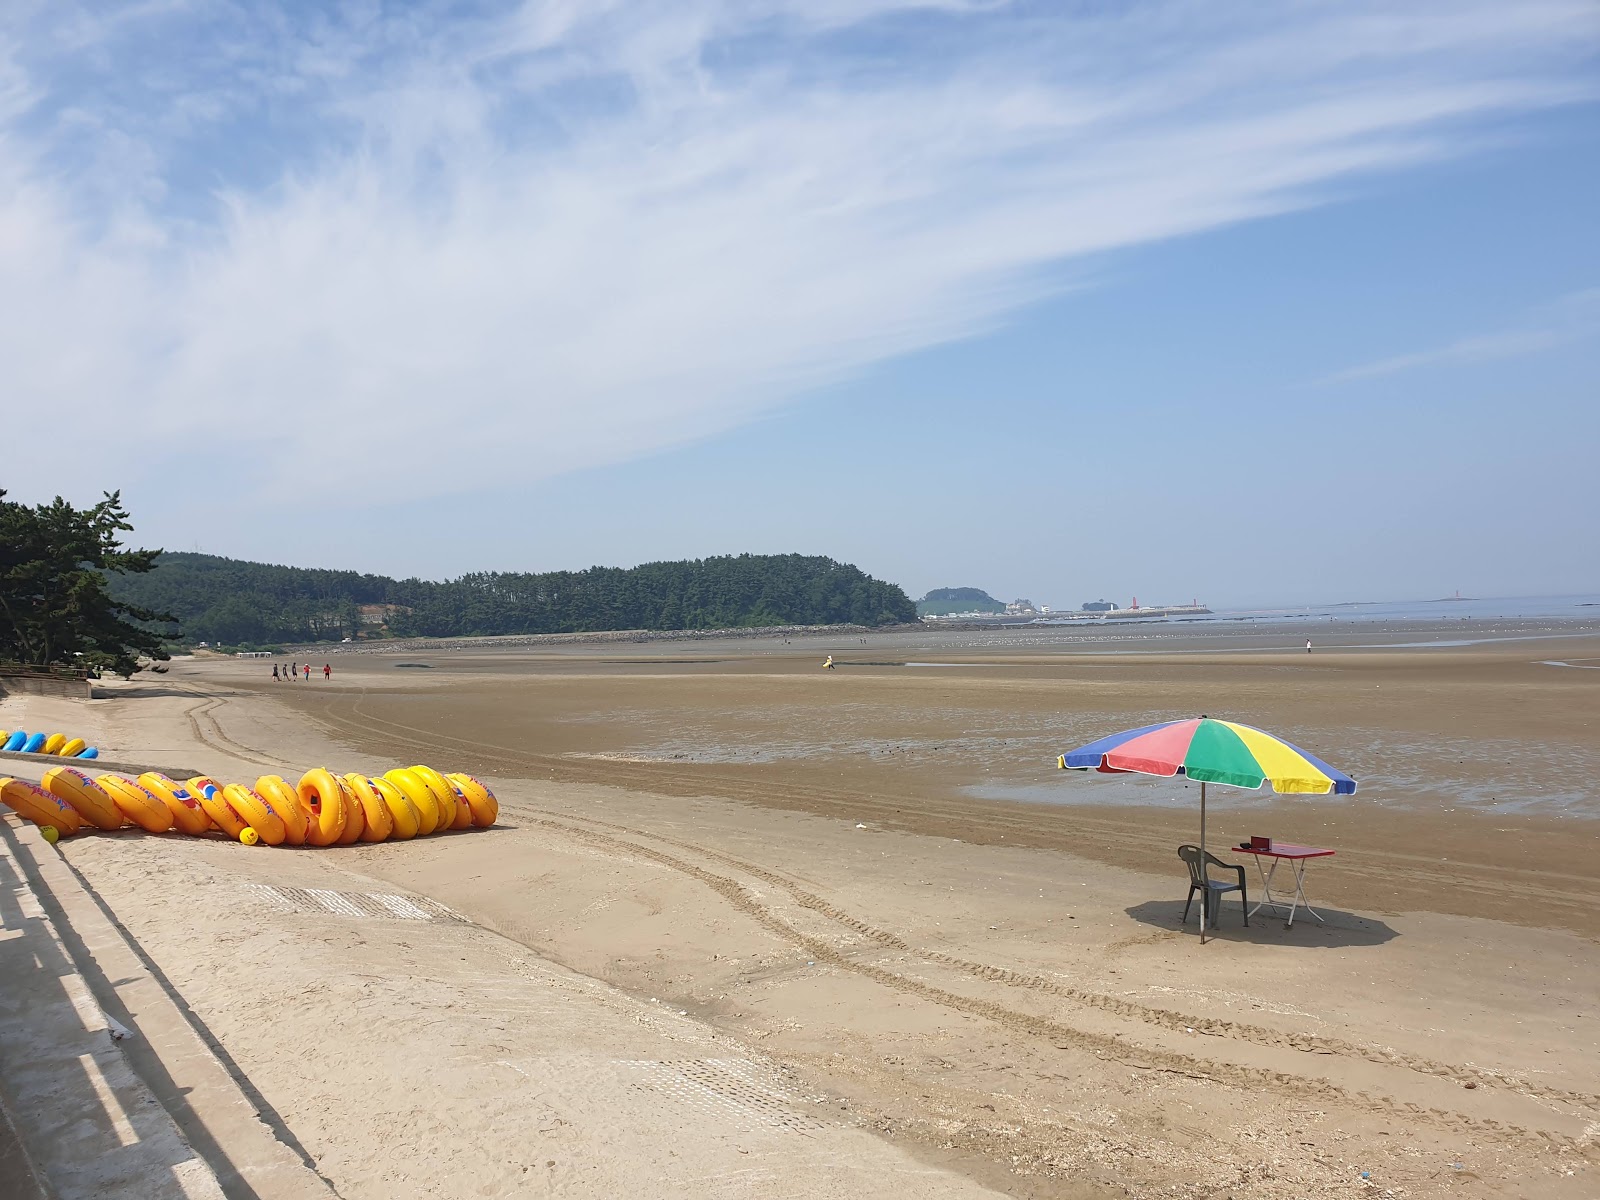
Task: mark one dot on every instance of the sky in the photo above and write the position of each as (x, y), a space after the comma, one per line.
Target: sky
(1239, 302)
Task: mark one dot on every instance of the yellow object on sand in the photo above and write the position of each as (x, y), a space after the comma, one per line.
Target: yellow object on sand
(480, 800)
(377, 823)
(146, 810)
(402, 813)
(214, 800)
(72, 748)
(53, 743)
(50, 834)
(421, 795)
(249, 836)
(33, 803)
(285, 801)
(187, 815)
(87, 798)
(323, 797)
(257, 812)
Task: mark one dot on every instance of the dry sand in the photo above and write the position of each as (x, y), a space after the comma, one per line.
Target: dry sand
(751, 928)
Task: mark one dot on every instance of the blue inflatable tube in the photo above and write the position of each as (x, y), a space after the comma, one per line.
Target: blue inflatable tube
(91, 752)
(16, 740)
(32, 745)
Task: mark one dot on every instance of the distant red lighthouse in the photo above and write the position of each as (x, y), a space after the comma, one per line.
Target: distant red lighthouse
(1135, 604)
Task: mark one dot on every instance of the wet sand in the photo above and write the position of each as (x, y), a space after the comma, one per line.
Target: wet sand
(828, 873)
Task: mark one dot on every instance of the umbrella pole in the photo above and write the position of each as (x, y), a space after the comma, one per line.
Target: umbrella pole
(1205, 873)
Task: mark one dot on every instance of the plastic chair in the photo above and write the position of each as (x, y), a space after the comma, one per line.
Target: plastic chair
(1212, 889)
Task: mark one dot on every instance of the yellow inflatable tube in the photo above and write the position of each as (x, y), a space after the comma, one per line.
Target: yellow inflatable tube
(323, 797)
(39, 806)
(485, 808)
(421, 795)
(257, 812)
(285, 802)
(87, 798)
(187, 815)
(53, 744)
(403, 815)
(377, 823)
(454, 813)
(137, 803)
(214, 800)
(73, 747)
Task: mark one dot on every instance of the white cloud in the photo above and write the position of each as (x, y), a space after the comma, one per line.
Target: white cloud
(513, 242)
(1571, 319)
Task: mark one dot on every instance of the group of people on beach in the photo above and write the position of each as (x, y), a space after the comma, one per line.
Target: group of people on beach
(292, 671)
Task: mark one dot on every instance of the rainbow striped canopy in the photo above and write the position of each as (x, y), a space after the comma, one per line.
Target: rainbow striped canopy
(1212, 752)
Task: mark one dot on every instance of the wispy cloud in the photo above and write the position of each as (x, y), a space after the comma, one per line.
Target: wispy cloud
(513, 240)
(1573, 318)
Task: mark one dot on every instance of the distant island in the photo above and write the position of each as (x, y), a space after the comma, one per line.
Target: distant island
(252, 605)
(943, 602)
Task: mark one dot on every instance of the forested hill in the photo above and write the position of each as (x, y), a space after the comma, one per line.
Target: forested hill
(244, 603)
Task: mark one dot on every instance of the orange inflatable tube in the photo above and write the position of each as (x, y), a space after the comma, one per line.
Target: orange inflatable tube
(403, 814)
(323, 797)
(485, 808)
(86, 797)
(35, 804)
(285, 802)
(224, 816)
(136, 802)
(377, 822)
(257, 812)
(452, 804)
(187, 815)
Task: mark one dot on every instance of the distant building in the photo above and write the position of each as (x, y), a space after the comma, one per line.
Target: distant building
(1098, 606)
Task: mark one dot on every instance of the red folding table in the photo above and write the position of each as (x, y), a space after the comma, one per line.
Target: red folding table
(1298, 856)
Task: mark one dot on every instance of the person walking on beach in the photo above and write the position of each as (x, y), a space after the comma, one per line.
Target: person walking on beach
(308, 672)
(327, 671)
(827, 663)
(275, 674)
(1308, 645)
(294, 670)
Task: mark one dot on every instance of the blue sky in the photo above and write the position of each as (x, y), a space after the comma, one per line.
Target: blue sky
(1239, 302)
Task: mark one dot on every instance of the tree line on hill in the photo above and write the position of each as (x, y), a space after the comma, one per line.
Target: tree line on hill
(236, 603)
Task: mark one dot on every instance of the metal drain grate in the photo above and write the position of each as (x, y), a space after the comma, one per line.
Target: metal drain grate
(734, 1089)
(382, 905)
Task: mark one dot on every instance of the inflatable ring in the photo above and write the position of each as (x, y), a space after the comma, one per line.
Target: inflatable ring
(323, 797)
(88, 799)
(402, 812)
(137, 803)
(16, 741)
(257, 812)
(73, 748)
(214, 800)
(285, 802)
(39, 806)
(33, 744)
(187, 815)
(485, 808)
(421, 795)
(376, 822)
(355, 818)
(454, 813)
(53, 744)
(91, 752)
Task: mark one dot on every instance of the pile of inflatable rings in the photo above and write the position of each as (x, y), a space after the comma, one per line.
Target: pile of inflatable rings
(323, 809)
(58, 744)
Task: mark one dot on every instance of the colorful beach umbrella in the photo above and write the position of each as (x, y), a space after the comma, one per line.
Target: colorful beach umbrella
(1211, 751)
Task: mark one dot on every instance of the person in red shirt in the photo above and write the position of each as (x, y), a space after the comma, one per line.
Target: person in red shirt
(327, 671)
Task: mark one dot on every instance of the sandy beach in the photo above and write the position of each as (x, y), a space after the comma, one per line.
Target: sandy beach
(748, 927)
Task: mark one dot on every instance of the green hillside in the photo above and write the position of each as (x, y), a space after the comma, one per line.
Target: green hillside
(232, 602)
